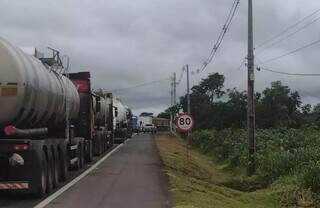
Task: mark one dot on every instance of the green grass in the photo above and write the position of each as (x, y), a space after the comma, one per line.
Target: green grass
(197, 182)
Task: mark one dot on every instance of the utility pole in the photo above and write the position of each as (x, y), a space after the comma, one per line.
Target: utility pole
(171, 104)
(174, 89)
(251, 98)
(188, 90)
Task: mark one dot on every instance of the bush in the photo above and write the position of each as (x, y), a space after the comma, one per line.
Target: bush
(280, 152)
(311, 178)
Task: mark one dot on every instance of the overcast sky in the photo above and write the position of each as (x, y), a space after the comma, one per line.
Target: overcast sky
(125, 43)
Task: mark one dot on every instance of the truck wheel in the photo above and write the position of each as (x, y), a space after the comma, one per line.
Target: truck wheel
(105, 145)
(77, 164)
(63, 166)
(98, 145)
(41, 184)
(56, 172)
(101, 146)
(89, 151)
(112, 141)
(49, 175)
(81, 155)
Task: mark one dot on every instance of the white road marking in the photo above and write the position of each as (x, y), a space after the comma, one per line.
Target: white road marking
(53, 196)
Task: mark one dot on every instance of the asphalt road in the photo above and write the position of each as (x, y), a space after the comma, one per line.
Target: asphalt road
(131, 177)
(14, 200)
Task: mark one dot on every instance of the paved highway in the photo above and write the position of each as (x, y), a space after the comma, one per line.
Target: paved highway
(27, 201)
(129, 176)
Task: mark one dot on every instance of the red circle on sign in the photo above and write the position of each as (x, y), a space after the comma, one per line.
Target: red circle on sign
(185, 129)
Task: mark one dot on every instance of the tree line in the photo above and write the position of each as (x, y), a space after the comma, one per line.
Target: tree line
(213, 106)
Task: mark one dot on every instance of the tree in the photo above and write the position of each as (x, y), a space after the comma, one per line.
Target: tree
(306, 109)
(316, 109)
(213, 85)
(238, 107)
(173, 109)
(278, 107)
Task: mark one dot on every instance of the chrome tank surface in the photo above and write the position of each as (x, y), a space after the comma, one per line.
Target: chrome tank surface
(30, 94)
(121, 116)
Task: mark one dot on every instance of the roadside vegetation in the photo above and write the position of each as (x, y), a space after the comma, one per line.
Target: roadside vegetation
(287, 139)
(288, 160)
(198, 182)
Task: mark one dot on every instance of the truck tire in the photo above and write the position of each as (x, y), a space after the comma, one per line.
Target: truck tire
(81, 155)
(56, 169)
(49, 174)
(41, 184)
(98, 147)
(63, 162)
(101, 145)
(111, 141)
(105, 144)
(89, 151)
(76, 166)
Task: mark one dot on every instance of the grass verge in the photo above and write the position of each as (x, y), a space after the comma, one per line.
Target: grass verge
(197, 182)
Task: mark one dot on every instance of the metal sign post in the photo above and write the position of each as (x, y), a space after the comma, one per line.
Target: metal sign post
(185, 123)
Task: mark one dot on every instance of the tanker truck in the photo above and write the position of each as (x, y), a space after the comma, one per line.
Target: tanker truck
(122, 120)
(50, 121)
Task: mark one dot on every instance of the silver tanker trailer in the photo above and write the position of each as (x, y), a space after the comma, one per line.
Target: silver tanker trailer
(122, 120)
(50, 121)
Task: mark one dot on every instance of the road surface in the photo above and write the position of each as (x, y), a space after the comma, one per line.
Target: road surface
(131, 176)
(26, 201)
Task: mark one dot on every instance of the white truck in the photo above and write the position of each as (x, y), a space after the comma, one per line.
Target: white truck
(145, 123)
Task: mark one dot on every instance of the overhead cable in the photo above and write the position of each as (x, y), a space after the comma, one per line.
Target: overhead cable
(223, 32)
(287, 73)
(291, 52)
(267, 46)
(287, 29)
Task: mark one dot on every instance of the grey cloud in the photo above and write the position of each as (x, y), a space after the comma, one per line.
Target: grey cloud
(125, 43)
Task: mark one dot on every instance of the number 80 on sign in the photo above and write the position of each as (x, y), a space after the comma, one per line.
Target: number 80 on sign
(185, 122)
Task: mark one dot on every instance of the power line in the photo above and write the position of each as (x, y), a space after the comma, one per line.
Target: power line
(287, 73)
(223, 32)
(291, 52)
(288, 36)
(139, 85)
(287, 29)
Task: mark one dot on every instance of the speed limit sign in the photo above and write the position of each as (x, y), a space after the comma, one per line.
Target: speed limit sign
(185, 122)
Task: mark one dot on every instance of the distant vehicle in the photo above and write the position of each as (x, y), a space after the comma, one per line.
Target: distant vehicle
(162, 124)
(135, 124)
(144, 120)
(149, 128)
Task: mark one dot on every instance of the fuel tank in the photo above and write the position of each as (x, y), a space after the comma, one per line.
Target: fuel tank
(104, 114)
(121, 111)
(32, 95)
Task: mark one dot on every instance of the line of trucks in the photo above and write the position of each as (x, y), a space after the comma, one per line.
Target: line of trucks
(51, 121)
